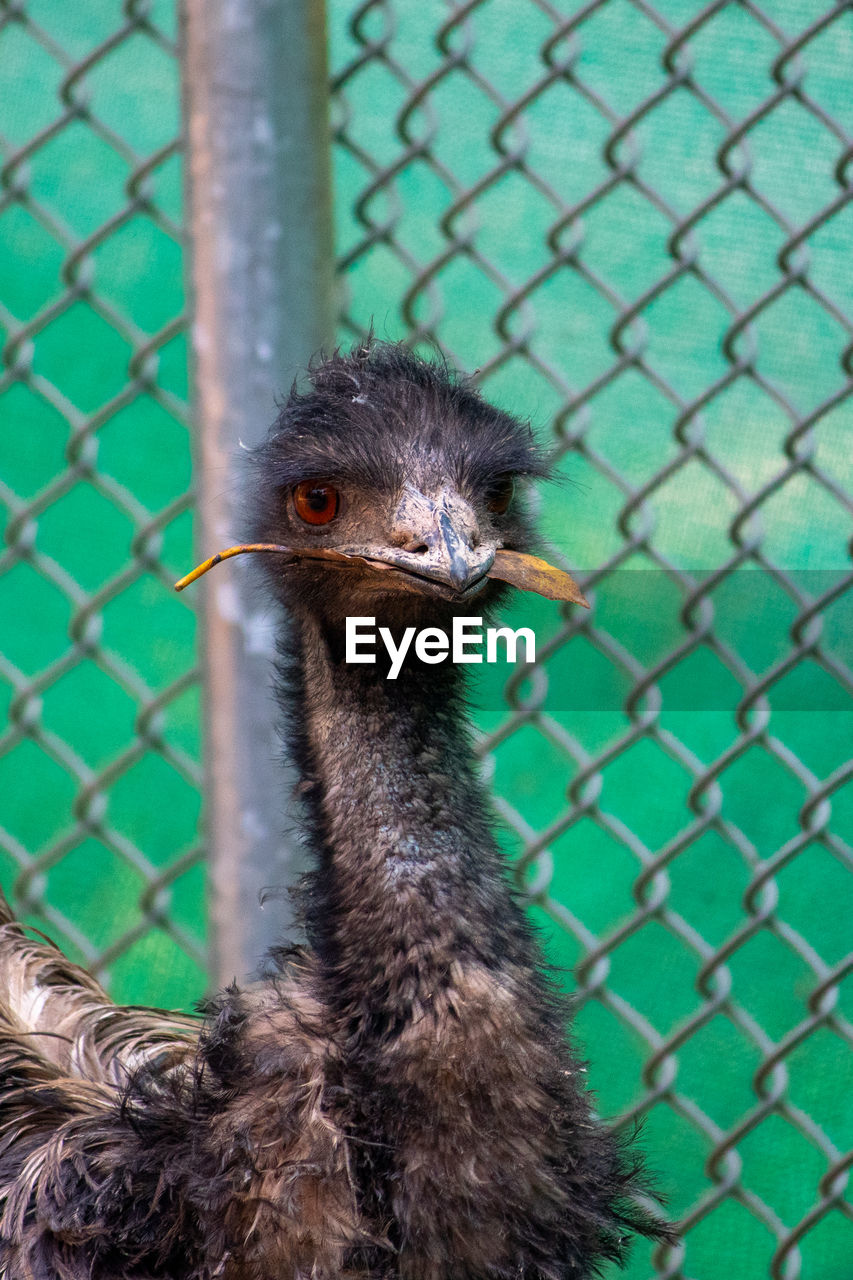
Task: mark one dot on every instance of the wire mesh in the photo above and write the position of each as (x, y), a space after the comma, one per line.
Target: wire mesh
(99, 762)
(634, 222)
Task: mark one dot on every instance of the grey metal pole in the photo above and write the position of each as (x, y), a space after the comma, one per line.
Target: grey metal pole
(255, 103)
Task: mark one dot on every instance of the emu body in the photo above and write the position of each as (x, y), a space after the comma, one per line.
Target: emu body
(397, 1100)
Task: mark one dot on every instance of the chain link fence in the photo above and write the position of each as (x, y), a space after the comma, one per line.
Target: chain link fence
(99, 760)
(635, 223)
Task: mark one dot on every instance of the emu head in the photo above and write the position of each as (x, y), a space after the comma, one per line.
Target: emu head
(395, 460)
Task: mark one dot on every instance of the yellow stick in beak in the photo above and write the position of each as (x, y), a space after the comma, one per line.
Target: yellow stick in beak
(202, 568)
(528, 573)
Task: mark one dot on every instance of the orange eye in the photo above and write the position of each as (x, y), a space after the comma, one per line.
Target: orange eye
(315, 503)
(499, 494)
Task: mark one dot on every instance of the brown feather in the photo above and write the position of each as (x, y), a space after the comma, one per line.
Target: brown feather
(70, 1021)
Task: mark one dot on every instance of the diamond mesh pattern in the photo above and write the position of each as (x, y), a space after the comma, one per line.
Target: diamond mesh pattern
(99, 763)
(633, 221)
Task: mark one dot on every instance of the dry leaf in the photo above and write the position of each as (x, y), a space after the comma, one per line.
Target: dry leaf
(530, 573)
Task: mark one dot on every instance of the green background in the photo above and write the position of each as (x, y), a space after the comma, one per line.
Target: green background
(649, 825)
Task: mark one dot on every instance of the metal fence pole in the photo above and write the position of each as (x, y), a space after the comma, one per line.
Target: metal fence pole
(260, 216)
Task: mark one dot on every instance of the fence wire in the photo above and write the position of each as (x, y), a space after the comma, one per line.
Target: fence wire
(627, 218)
(99, 762)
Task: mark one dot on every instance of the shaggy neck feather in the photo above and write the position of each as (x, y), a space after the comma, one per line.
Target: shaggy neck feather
(410, 884)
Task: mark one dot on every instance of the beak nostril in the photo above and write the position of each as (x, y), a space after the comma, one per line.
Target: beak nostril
(406, 540)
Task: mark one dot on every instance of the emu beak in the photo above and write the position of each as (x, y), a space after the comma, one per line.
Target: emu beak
(455, 556)
(441, 545)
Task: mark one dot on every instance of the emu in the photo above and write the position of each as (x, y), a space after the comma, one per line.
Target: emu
(396, 1100)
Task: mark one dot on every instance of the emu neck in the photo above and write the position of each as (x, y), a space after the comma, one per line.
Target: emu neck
(409, 882)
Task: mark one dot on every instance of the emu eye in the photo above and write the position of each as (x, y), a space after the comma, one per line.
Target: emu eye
(499, 494)
(316, 503)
